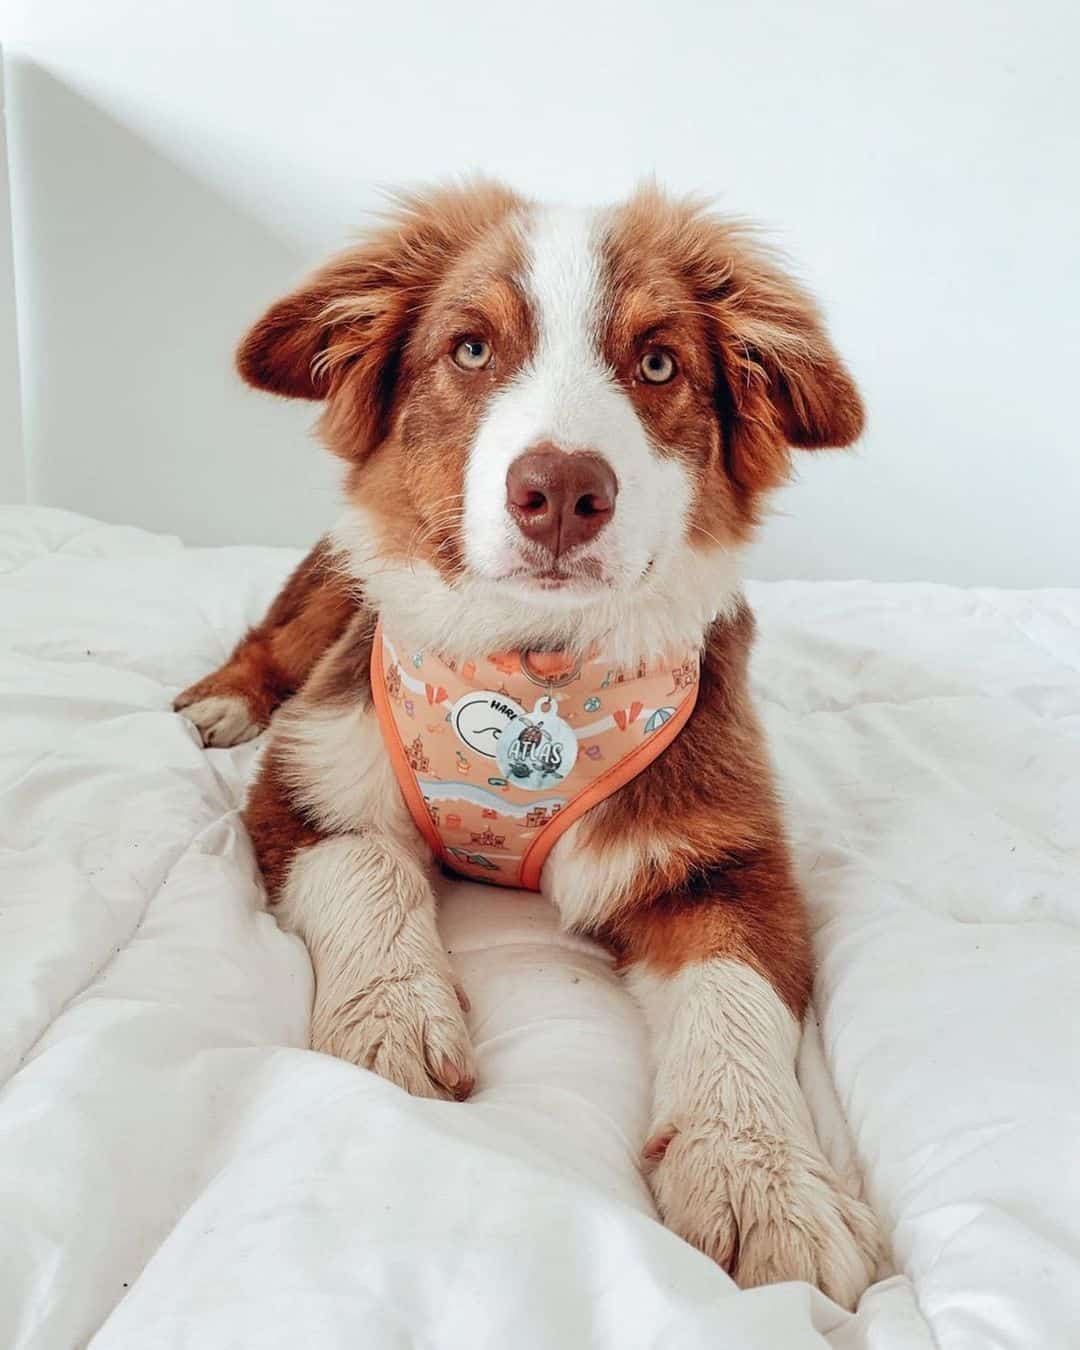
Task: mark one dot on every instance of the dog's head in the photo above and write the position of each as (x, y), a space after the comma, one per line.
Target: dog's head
(557, 407)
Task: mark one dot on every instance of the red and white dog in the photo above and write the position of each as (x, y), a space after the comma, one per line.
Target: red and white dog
(561, 426)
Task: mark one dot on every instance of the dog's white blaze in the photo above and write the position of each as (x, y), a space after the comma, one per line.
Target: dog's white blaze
(567, 395)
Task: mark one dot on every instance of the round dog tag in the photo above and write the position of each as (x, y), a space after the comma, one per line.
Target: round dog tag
(480, 718)
(537, 750)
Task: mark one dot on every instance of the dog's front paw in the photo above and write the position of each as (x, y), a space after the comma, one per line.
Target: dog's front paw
(409, 1028)
(766, 1208)
(220, 719)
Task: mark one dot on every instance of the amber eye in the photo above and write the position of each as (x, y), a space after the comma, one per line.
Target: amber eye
(657, 366)
(472, 354)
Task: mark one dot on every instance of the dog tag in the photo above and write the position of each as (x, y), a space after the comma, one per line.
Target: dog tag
(480, 718)
(538, 750)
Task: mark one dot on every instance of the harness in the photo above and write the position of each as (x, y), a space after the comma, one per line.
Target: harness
(497, 757)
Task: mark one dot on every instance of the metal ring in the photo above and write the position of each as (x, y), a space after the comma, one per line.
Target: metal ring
(548, 681)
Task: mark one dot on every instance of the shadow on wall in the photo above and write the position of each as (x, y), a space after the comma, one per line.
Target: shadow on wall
(134, 283)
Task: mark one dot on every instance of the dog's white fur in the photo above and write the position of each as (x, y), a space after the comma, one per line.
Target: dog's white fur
(743, 1176)
(223, 720)
(385, 997)
(586, 886)
(335, 760)
(670, 608)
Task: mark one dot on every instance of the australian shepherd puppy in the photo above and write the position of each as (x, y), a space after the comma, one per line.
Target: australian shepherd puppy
(560, 428)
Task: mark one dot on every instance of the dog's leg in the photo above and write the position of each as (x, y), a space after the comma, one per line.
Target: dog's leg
(273, 660)
(732, 1156)
(385, 997)
(346, 869)
(685, 872)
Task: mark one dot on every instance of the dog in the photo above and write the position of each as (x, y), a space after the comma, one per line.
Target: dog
(560, 428)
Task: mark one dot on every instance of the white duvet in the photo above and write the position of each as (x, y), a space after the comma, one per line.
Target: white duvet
(177, 1170)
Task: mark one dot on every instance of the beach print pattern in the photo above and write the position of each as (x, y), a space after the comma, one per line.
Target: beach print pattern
(450, 717)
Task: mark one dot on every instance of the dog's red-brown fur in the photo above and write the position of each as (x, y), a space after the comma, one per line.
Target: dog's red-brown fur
(274, 659)
(718, 880)
(752, 341)
(279, 829)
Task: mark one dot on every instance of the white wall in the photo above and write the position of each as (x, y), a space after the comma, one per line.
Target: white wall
(176, 164)
(12, 466)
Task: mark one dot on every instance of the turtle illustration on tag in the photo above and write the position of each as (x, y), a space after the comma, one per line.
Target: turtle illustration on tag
(538, 749)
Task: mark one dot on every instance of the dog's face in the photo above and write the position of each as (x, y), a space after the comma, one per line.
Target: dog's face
(559, 403)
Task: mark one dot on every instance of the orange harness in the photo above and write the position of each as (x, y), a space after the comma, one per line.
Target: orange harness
(497, 757)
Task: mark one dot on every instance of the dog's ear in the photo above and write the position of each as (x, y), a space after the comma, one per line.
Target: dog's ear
(291, 350)
(345, 326)
(345, 329)
(782, 383)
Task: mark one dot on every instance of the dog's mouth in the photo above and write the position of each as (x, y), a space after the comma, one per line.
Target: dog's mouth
(582, 577)
(586, 574)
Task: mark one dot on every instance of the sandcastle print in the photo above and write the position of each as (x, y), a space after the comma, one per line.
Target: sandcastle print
(683, 677)
(399, 683)
(471, 794)
(541, 815)
(418, 760)
(487, 838)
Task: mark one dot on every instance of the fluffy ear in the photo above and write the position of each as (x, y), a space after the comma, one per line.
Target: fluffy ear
(783, 383)
(348, 324)
(300, 341)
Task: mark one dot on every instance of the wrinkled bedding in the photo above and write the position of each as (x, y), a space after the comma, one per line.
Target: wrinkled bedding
(177, 1170)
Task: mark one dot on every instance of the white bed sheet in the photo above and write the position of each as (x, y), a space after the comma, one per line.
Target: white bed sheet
(176, 1170)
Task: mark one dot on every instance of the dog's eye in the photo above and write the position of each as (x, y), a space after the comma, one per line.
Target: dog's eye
(657, 366)
(472, 354)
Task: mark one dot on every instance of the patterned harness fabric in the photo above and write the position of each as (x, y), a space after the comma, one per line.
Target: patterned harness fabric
(497, 757)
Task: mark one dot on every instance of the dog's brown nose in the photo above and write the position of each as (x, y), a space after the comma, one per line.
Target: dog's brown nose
(560, 500)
